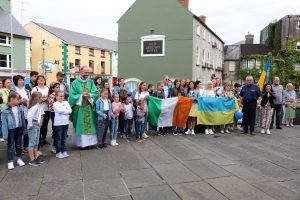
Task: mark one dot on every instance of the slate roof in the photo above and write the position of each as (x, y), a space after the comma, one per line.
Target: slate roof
(5, 25)
(254, 49)
(80, 39)
(232, 52)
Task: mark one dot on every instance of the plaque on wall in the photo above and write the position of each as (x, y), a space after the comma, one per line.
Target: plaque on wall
(153, 45)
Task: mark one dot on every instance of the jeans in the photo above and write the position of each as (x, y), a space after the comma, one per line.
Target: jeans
(249, 115)
(139, 130)
(128, 126)
(44, 127)
(102, 130)
(114, 128)
(14, 138)
(60, 138)
(34, 135)
(121, 126)
(1, 134)
(278, 112)
(25, 136)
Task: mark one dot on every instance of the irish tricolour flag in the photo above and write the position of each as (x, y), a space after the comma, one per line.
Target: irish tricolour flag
(169, 112)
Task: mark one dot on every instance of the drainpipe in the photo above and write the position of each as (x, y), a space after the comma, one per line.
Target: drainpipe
(110, 60)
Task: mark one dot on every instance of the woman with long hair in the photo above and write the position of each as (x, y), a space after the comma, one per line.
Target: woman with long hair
(192, 119)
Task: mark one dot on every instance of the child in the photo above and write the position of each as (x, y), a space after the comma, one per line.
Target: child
(116, 108)
(62, 111)
(227, 93)
(128, 109)
(267, 106)
(209, 92)
(104, 111)
(159, 93)
(291, 111)
(194, 94)
(35, 120)
(13, 125)
(140, 120)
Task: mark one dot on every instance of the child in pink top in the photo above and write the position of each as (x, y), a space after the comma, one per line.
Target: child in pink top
(117, 107)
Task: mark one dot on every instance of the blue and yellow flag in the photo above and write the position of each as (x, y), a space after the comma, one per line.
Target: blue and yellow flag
(216, 111)
(265, 75)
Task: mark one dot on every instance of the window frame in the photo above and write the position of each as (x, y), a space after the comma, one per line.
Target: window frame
(7, 40)
(298, 24)
(77, 48)
(102, 66)
(91, 52)
(103, 53)
(231, 66)
(297, 46)
(8, 61)
(77, 67)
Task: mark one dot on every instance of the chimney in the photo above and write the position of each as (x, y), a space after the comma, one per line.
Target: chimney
(202, 18)
(185, 3)
(249, 38)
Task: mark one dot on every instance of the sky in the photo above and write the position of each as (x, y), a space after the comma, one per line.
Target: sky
(230, 19)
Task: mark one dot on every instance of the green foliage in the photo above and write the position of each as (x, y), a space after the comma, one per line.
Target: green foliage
(274, 36)
(291, 43)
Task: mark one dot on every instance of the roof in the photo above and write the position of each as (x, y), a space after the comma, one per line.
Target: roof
(5, 25)
(232, 52)
(80, 39)
(254, 49)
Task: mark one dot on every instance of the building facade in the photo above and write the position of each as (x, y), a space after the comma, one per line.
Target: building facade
(67, 51)
(21, 44)
(163, 37)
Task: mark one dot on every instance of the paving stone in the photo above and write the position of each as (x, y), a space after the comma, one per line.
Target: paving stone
(161, 192)
(236, 189)
(293, 185)
(206, 169)
(196, 191)
(157, 156)
(166, 141)
(107, 188)
(66, 190)
(176, 173)
(277, 191)
(181, 152)
(141, 178)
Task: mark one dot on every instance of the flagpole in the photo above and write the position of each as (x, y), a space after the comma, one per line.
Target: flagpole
(11, 42)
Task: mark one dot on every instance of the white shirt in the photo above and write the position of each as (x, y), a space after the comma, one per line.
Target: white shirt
(16, 115)
(106, 106)
(62, 112)
(142, 95)
(166, 91)
(24, 95)
(44, 92)
(129, 111)
(35, 113)
(201, 91)
(209, 93)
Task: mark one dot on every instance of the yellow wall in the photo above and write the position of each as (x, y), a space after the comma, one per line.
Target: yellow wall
(53, 51)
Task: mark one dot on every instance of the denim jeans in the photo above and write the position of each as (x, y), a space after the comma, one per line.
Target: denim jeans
(128, 126)
(60, 138)
(34, 135)
(44, 127)
(102, 130)
(114, 128)
(139, 129)
(1, 134)
(14, 138)
(278, 112)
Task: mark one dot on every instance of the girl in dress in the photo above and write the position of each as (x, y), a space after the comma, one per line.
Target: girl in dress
(291, 111)
(192, 119)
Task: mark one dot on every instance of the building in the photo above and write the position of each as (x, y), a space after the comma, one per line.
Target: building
(280, 33)
(21, 43)
(66, 51)
(163, 37)
(243, 56)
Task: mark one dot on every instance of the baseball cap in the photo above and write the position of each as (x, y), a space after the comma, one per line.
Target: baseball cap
(60, 74)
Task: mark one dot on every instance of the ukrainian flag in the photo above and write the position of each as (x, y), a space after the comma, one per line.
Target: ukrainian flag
(216, 111)
(265, 75)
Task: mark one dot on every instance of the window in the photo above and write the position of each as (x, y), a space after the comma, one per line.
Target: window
(91, 52)
(208, 57)
(244, 64)
(71, 65)
(209, 37)
(102, 67)
(203, 57)
(77, 64)
(198, 30)
(77, 50)
(204, 34)
(231, 66)
(251, 64)
(298, 46)
(91, 64)
(102, 53)
(4, 40)
(5, 61)
(297, 67)
(298, 24)
(198, 56)
(258, 64)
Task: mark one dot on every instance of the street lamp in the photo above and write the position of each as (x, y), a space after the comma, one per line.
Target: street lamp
(11, 41)
(43, 56)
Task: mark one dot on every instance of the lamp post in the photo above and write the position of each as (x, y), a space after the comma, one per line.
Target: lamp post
(43, 57)
(11, 42)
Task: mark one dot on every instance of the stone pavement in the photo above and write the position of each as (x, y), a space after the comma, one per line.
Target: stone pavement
(236, 167)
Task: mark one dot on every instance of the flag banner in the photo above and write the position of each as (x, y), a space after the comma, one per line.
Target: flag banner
(216, 111)
(265, 75)
(169, 112)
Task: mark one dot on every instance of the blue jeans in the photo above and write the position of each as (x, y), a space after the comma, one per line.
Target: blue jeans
(34, 135)
(60, 138)
(114, 128)
(14, 138)
(139, 130)
(128, 126)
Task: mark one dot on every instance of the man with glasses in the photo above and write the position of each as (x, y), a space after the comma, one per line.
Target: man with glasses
(166, 86)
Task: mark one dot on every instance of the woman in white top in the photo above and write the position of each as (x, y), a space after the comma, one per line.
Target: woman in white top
(143, 94)
(42, 88)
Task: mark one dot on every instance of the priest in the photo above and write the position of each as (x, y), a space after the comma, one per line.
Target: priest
(82, 99)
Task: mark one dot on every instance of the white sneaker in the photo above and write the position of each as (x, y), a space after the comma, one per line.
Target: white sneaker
(206, 132)
(287, 125)
(112, 143)
(10, 165)
(292, 125)
(53, 150)
(20, 162)
(145, 135)
(222, 131)
(59, 155)
(117, 144)
(262, 131)
(65, 154)
(268, 132)
(227, 131)
(211, 131)
(193, 132)
(188, 132)
(2, 140)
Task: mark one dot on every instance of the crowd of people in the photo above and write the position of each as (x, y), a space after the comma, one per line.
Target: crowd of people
(95, 108)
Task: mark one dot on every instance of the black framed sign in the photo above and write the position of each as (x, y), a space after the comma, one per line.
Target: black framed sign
(153, 45)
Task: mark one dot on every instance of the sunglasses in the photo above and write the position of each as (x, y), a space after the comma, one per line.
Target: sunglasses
(167, 79)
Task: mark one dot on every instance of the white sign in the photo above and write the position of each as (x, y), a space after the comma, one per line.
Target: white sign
(153, 45)
(49, 65)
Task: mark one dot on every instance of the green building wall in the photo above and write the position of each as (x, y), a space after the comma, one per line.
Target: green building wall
(167, 17)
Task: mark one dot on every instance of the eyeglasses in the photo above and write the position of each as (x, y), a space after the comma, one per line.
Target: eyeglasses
(167, 79)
